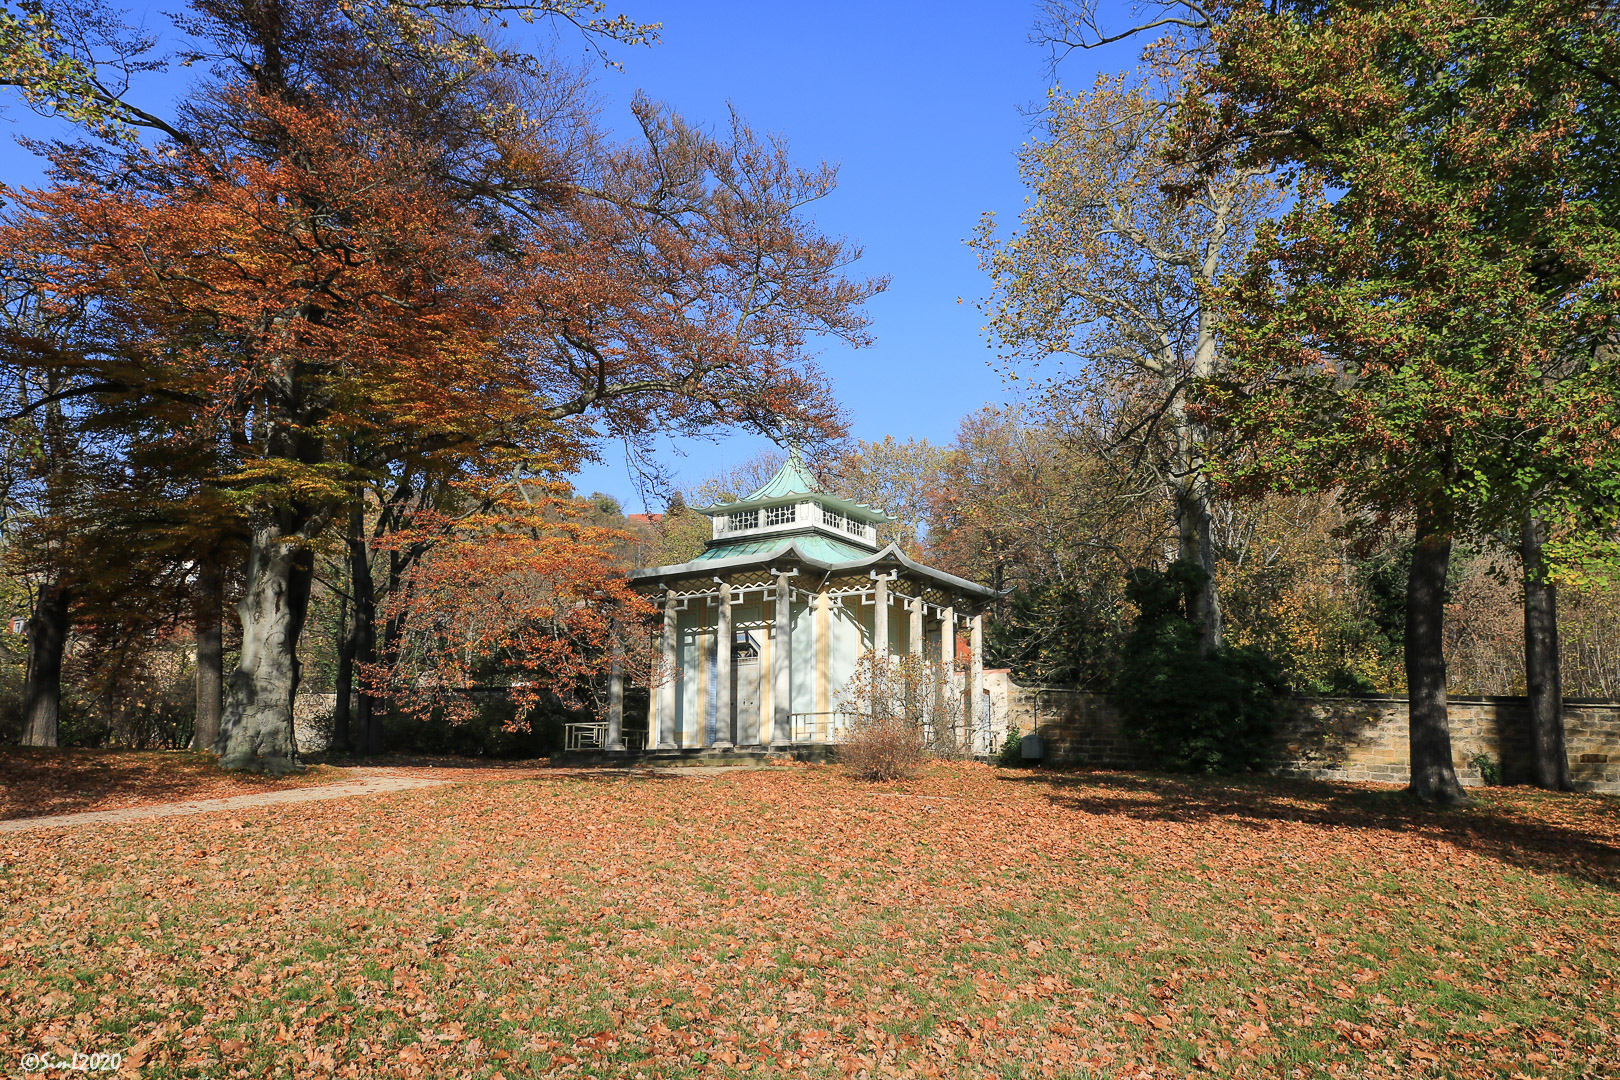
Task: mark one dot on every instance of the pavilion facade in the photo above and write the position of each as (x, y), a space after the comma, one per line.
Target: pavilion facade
(763, 630)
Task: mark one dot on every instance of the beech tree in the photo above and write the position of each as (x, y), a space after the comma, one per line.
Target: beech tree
(1111, 275)
(372, 237)
(520, 590)
(1428, 338)
(900, 478)
(46, 466)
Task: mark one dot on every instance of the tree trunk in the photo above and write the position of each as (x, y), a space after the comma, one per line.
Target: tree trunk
(342, 728)
(1434, 776)
(1549, 762)
(1196, 546)
(368, 740)
(210, 637)
(256, 732)
(42, 689)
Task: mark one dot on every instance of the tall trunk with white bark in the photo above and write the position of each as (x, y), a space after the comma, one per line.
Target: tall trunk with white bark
(256, 731)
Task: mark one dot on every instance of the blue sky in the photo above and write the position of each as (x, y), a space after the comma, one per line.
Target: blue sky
(919, 104)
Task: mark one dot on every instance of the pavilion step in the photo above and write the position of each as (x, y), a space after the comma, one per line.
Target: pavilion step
(694, 756)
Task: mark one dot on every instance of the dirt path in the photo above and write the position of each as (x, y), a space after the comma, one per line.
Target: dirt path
(377, 783)
(373, 780)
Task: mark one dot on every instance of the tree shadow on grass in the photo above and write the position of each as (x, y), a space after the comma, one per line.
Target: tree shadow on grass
(37, 781)
(1577, 835)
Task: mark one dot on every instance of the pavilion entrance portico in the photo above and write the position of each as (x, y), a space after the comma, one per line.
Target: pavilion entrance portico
(762, 631)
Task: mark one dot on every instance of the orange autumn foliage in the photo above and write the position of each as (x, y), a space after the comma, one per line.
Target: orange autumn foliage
(520, 593)
(386, 257)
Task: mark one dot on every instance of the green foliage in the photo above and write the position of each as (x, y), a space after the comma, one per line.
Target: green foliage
(1490, 770)
(489, 732)
(1064, 634)
(1429, 329)
(1195, 711)
(1012, 751)
(50, 77)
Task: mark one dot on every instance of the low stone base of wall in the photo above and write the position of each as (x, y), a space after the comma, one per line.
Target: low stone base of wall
(1350, 738)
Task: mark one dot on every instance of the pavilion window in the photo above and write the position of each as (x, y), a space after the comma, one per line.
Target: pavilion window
(742, 519)
(781, 515)
(832, 518)
(854, 528)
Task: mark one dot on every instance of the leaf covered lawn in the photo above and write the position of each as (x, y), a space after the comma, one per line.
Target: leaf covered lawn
(792, 922)
(37, 782)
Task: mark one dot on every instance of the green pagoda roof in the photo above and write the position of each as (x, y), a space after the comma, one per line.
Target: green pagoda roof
(806, 550)
(792, 482)
(824, 548)
(791, 479)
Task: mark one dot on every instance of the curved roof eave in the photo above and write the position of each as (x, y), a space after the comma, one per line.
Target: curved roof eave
(890, 553)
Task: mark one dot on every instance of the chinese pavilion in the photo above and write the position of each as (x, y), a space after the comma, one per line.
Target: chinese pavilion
(762, 631)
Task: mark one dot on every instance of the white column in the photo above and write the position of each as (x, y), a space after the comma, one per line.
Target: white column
(615, 716)
(947, 660)
(976, 711)
(916, 648)
(781, 666)
(722, 662)
(671, 684)
(880, 616)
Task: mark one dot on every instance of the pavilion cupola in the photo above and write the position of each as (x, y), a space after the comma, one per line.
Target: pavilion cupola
(793, 502)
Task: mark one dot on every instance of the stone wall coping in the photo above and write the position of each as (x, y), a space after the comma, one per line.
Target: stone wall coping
(1451, 699)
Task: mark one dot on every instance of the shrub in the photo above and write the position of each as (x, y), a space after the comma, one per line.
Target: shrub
(1490, 770)
(912, 692)
(881, 748)
(1012, 751)
(1194, 711)
(489, 730)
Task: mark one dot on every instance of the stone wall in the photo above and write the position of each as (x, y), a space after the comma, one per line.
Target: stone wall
(1351, 738)
(312, 721)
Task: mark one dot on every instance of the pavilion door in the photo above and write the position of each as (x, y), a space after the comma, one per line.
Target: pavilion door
(745, 670)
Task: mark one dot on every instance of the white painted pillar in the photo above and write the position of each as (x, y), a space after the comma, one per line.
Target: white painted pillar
(781, 665)
(823, 695)
(977, 717)
(880, 616)
(947, 661)
(722, 662)
(671, 671)
(615, 716)
(916, 648)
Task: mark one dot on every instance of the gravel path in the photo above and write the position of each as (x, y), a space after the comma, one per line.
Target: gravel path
(342, 789)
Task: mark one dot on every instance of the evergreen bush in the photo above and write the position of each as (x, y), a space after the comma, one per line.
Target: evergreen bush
(1012, 751)
(1193, 710)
